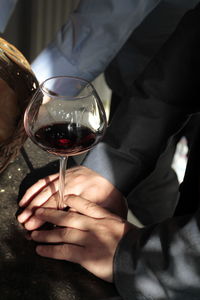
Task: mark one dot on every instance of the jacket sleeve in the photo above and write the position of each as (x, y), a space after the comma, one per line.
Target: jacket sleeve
(160, 262)
(92, 36)
(159, 103)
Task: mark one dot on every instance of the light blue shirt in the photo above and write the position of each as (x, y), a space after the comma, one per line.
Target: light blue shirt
(92, 36)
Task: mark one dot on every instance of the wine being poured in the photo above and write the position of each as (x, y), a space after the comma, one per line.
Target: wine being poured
(65, 117)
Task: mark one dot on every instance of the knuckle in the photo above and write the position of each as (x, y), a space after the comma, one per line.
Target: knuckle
(70, 200)
(62, 250)
(90, 207)
(67, 253)
(71, 215)
(104, 225)
(64, 233)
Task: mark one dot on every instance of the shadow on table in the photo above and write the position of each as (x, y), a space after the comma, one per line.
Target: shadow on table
(25, 275)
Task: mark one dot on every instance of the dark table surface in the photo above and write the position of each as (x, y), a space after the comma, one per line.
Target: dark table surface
(23, 274)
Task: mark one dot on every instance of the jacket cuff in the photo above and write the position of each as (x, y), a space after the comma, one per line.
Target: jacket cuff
(133, 276)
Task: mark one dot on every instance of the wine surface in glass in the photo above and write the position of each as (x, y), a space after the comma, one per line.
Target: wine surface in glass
(66, 138)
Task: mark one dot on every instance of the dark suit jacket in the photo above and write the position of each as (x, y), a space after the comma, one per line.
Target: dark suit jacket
(161, 261)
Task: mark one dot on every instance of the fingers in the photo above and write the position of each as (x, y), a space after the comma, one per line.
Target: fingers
(37, 187)
(68, 252)
(34, 222)
(61, 235)
(88, 208)
(42, 183)
(38, 195)
(44, 196)
(77, 204)
(65, 219)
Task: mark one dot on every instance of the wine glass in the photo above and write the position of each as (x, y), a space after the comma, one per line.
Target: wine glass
(65, 117)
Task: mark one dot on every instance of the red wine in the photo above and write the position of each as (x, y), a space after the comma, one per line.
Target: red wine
(66, 138)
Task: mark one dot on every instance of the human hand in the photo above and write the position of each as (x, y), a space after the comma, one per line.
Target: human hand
(80, 181)
(89, 235)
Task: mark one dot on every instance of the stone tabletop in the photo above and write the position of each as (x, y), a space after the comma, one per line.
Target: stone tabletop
(23, 274)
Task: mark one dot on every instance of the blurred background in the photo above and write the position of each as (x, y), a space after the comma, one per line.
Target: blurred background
(34, 23)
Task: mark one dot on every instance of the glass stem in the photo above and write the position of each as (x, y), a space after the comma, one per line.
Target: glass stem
(63, 166)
